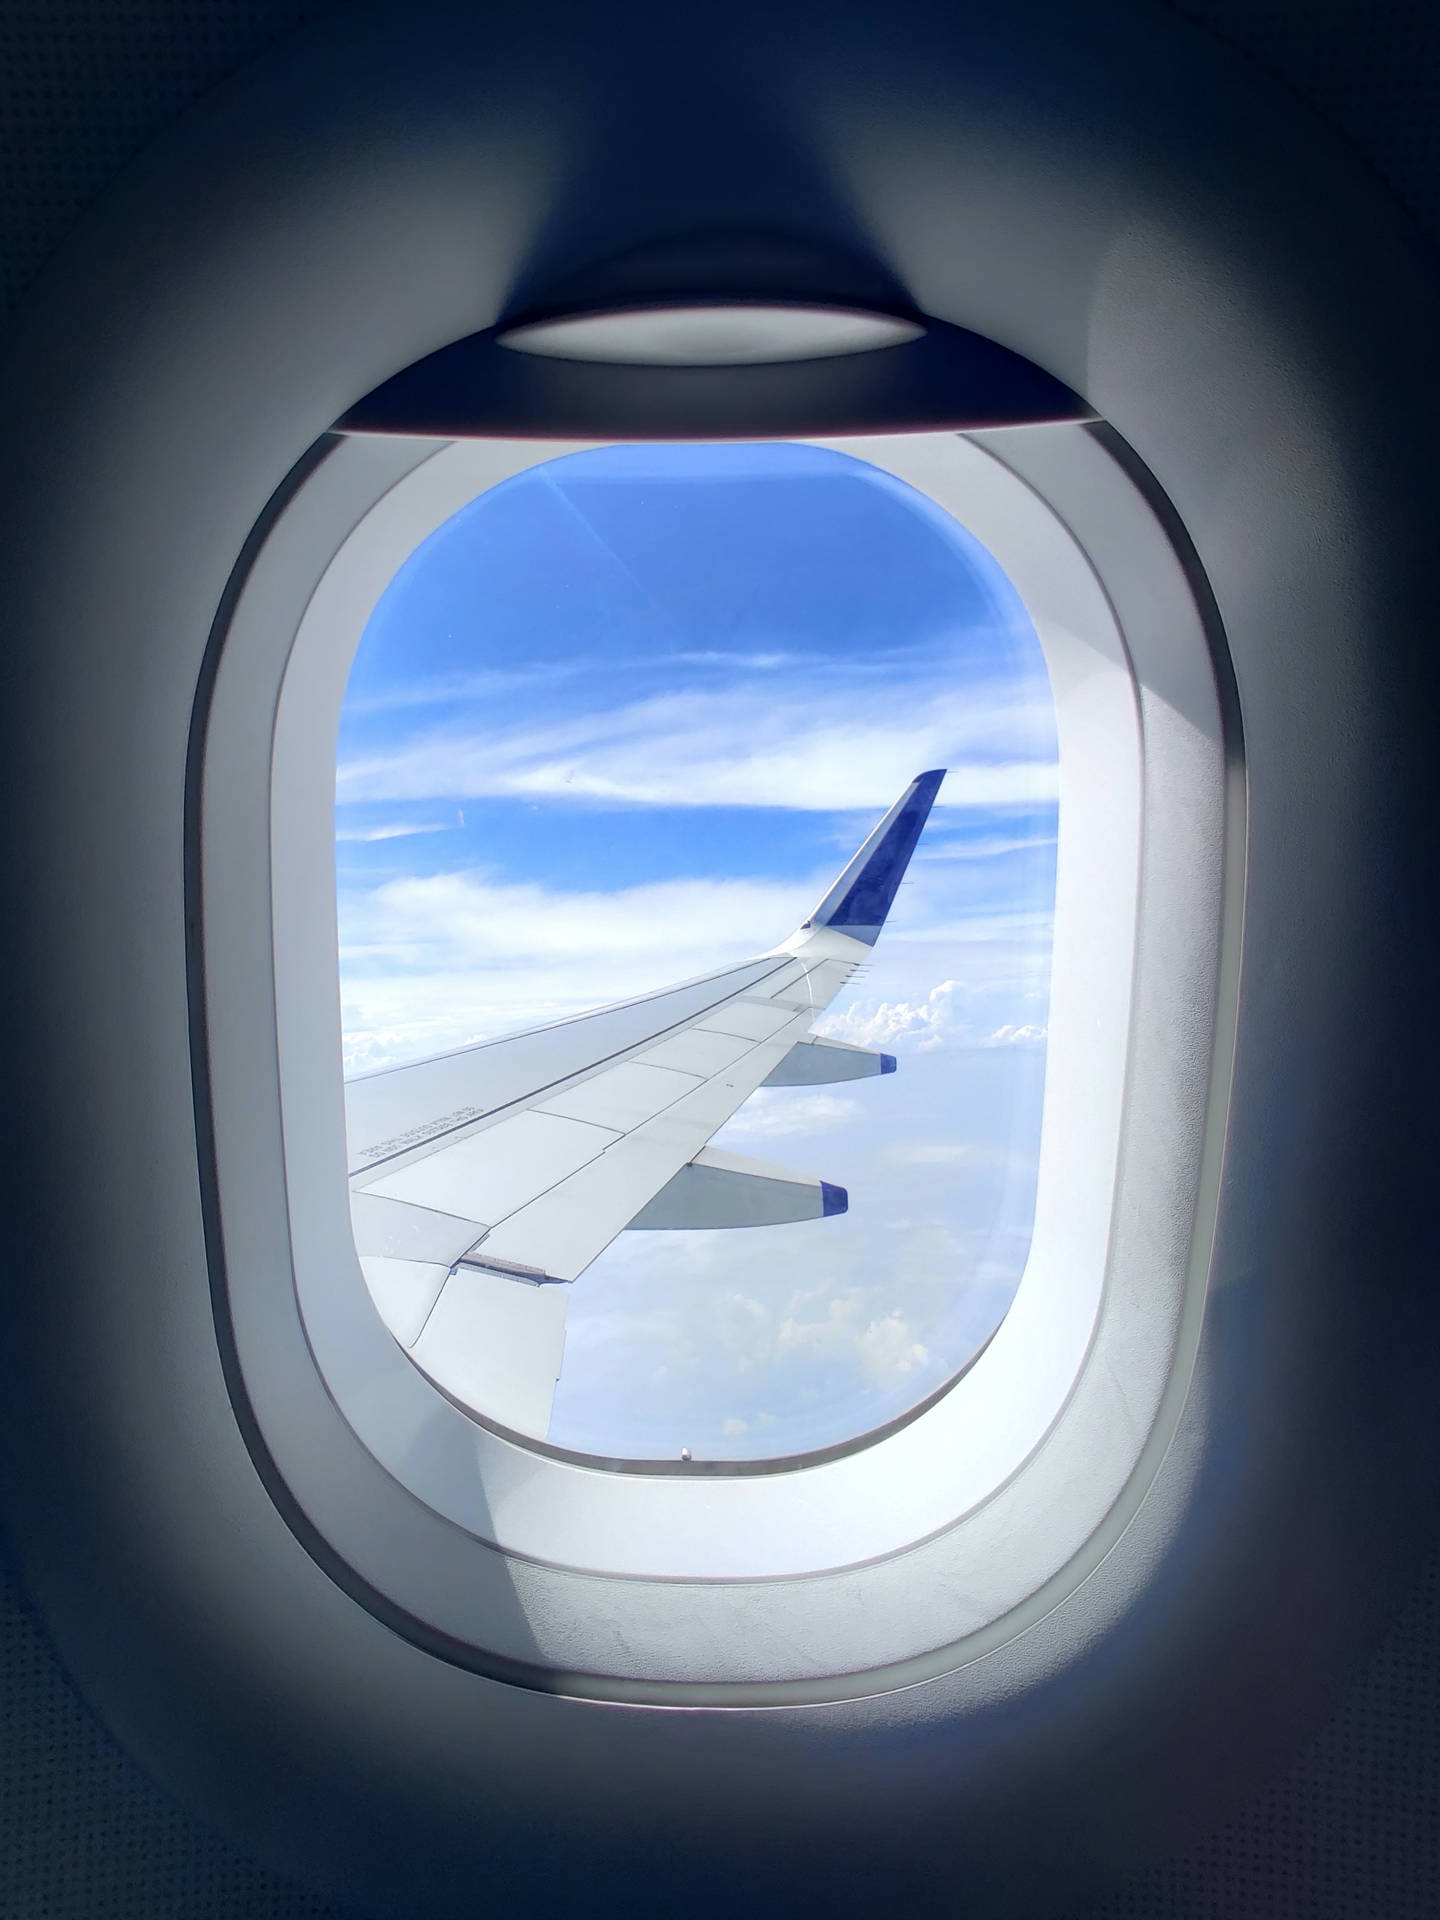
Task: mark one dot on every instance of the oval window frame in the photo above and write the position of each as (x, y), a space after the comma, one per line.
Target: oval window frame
(563, 1571)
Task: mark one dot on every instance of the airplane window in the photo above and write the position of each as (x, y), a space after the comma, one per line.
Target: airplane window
(695, 840)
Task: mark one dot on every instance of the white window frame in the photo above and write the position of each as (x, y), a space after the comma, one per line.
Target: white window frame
(957, 1525)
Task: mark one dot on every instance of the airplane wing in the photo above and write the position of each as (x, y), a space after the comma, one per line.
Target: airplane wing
(485, 1179)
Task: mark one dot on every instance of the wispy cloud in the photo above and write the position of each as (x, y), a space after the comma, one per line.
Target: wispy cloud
(740, 661)
(806, 747)
(990, 847)
(460, 689)
(438, 961)
(397, 830)
(938, 1151)
(465, 917)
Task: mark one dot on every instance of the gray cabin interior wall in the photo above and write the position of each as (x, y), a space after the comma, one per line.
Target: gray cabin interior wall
(1348, 1828)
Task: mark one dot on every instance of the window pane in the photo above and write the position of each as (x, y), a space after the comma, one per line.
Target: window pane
(621, 722)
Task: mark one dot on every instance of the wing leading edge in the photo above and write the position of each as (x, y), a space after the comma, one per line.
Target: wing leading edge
(482, 1177)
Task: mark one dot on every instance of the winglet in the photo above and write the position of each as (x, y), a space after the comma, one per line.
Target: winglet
(860, 899)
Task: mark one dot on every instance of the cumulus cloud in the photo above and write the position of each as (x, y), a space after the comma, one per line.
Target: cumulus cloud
(884, 1344)
(952, 1014)
(928, 1023)
(890, 1350)
(830, 1336)
(1024, 1036)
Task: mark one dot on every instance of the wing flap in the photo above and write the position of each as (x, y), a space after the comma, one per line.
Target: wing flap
(404, 1292)
(393, 1229)
(624, 1096)
(746, 1019)
(563, 1229)
(487, 1175)
(697, 1051)
(496, 1345)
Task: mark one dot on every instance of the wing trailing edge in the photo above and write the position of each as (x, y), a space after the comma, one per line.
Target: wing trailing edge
(484, 1179)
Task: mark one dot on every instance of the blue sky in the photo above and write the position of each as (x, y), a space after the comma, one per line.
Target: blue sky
(621, 720)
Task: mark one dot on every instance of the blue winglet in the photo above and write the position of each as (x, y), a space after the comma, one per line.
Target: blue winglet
(833, 1200)
(860, 899)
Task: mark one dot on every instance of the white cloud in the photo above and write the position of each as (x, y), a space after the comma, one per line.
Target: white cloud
(397, 831)
(927, 1023)
(795, 744)
(829, 1337)
(775, 1113)
(884, 1344)
(452, 689)
(938, 1153)
(441, 960)
(952, 1014)
(468, 919)
(890, 1350)
(994, 847)
(751, 662)
(1024, 1036)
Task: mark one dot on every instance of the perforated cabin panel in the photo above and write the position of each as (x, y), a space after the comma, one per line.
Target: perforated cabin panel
(1372, 72)
(85, 83)
(1352, 1829)
(84, 1835)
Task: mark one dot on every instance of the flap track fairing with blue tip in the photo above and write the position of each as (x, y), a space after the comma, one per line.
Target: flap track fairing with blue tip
(720, 1189)
(816, 1061)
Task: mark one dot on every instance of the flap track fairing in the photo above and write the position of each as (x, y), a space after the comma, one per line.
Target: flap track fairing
(818, 1062)
(719, 1189)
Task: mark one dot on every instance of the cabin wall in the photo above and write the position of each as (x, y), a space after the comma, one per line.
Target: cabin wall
(1347, 1828)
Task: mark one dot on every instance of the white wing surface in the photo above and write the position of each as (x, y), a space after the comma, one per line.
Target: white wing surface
(485, 1179)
